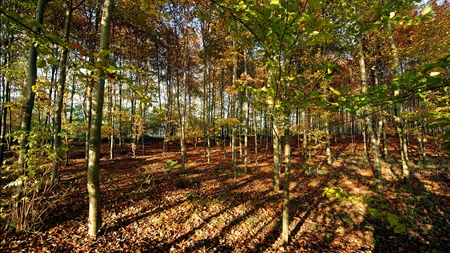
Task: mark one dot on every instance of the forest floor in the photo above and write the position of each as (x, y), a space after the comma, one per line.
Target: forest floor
(151, 205)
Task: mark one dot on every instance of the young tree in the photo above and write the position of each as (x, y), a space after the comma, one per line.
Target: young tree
(60, 92)
(28, 111)
(93, 180)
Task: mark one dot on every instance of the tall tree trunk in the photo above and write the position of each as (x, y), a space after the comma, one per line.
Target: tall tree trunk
(233, 153)
(60, 93)
(89, 90)
(5, 99)
(385, 142)
(375, 147)
(182, 106)
(327, 130)
(28, 111)
(246, 115)
(398, 110)
(305, 134)
(205, 28)
(72, 94)
(30, 94)
(276, 154)
(287, 180)
(120, 118)
(88, 119)
(93, 182)
(255, 125)
(112, 105)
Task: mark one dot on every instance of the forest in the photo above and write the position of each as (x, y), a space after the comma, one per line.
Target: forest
(225, 126)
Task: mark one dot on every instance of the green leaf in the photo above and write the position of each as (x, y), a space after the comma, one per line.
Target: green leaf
(275, 2)
(393, 219)
(43, 51)
(426, 10)
(400, 228)
(41, 63)
(81, 77)
(52, 60)
(335, 91)
(314, 3)
(104, 53)
(54, 38)
(374, 212)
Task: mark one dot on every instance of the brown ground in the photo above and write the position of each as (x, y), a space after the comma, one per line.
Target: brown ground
(149, 207)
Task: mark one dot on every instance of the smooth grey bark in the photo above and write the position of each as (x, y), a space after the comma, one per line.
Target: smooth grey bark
(60, 94)
(93, 175)
(255, 125)
(305, 134)
(276, 154)
(112, 137)
(88, 119)
(182, 107)
(287, 181)
(89, 91)
(120, 117)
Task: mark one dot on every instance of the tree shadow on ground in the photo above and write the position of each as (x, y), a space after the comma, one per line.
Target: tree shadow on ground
(424, 210)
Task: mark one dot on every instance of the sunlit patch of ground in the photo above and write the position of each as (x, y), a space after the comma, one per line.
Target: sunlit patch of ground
(152, 206)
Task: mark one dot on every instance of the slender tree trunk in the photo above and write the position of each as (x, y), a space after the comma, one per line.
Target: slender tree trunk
(4, 112)
(72, 94)
(182, 107)
(256, 136)
(375, 147)
(327, 130)
(205, 27)
(246, 115)
(398, 111)
(424, 140)
(93, 175)
(88, 116)
(30, 94)
(287, 181)
(120, 118)
(27, 114)
(112, 137)
(276, 154)
(233, 153)
(364, 135)
(60, 94)
(305, 135)
(5, 98)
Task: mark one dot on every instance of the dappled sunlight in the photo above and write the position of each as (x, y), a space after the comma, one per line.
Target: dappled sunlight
(150, 205)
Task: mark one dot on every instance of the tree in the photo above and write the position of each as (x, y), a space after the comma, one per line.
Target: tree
(275, 30)
(60, 92)
(28, 112)
(93, 180)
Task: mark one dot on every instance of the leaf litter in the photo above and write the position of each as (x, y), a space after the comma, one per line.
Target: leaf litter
(148, 207)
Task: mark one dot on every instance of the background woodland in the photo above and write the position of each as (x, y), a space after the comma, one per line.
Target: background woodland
(282, 107)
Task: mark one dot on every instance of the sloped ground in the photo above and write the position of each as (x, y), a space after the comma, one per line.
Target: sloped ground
(151, 206)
